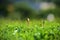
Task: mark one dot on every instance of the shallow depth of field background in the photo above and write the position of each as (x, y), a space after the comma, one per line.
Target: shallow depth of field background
(29, 19)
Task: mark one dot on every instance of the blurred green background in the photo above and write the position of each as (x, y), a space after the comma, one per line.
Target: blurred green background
(33, 9)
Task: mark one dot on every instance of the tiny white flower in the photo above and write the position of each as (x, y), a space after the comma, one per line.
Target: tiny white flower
(15, 32)
(28, 19)
(50, 17)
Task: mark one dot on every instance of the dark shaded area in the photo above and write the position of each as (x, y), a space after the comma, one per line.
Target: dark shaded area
(26, 12)
(3, 12)
(57, 2)
(2, 7)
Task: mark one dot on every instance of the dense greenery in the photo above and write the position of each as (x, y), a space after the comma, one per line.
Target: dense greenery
(18, 30)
